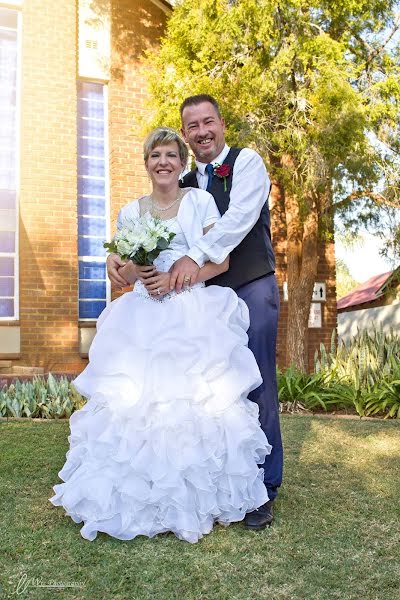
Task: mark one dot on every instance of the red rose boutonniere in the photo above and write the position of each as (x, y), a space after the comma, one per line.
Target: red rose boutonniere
(222, 171)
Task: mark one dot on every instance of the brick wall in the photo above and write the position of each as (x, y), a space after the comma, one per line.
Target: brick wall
(48, 215)
(136, 25)
(326, 273)
(48, 204)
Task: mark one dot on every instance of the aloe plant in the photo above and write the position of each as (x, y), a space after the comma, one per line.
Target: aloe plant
(385, 396)
(51, 398)
(363, 373)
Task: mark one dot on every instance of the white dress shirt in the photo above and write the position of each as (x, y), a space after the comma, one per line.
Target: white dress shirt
(250, 188)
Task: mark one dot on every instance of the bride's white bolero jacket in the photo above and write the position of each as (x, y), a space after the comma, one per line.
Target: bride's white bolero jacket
(197, 210)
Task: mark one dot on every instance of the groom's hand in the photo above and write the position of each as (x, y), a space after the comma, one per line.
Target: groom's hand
(183, 273)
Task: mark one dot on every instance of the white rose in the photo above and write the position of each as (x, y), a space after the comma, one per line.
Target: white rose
(150, 243)
(123, 247)
(131, 237)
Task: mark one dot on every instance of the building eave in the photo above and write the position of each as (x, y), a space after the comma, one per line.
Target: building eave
(393, 279)
(163, 5)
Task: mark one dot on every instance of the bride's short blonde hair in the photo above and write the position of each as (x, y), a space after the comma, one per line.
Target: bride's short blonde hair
(161, 136)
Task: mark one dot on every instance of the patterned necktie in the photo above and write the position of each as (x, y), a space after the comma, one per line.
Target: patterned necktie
(210, 173)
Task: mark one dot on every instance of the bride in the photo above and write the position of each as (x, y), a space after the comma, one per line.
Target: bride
(168, 440)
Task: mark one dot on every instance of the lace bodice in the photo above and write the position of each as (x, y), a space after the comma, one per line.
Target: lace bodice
(178, 247)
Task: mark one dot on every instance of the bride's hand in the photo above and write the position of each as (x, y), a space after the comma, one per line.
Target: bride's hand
(132, 272)
(158, 284)
(128, 272)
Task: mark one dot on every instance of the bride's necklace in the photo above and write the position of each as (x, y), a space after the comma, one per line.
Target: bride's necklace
(159, 208)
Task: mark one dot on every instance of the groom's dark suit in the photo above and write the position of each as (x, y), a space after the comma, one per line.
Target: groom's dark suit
(251, 275)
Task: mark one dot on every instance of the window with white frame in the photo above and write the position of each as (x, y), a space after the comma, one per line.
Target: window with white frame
(9, 50)
(92, 199)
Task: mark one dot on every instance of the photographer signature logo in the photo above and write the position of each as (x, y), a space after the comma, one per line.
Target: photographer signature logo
(26, 582)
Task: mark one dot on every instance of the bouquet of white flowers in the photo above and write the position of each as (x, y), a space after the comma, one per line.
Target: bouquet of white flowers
(140, 240)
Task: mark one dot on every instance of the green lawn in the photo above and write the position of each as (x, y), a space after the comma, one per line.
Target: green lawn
(336, 533)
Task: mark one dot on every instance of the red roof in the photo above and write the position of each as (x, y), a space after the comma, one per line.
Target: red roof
(366, 292)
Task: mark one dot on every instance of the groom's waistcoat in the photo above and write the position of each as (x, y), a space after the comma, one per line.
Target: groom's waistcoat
(253, 257)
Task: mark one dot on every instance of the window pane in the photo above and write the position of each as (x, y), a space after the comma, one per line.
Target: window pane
(91, 128)
(90, 309)
(92, 91)
(7, 241)
(6, 266)
(91, 247)
(7, 131)
(92, 289)
(6, 286)
(91, 187)
(95, 207)
(92, 226)
(90, 147)
(92, 270)
(92, 229)
(8, 198)
(92, 167)
(6, 307)
(8, 158)
(8, 96)
(93, 110)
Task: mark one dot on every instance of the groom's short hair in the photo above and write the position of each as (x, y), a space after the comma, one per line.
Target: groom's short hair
(198, 99)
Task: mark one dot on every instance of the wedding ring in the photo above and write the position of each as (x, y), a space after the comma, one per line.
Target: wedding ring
(158, 291)
(186, 278)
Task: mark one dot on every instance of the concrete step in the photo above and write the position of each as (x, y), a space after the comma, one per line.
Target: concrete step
(19, 370)
(5, 364)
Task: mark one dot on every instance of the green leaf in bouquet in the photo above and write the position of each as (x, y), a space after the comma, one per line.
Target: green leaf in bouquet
(140, 257)
(151, 256)
(111, 247)
(162, 244)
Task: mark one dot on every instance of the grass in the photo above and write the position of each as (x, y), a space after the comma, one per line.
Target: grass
(336, 532)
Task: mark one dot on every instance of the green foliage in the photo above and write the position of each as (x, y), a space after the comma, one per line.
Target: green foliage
(345, 283)
(367, 360)
(314, 391)
(385, 395)
(298, 390)
(363, 376)
(314, 82)
(49, 399)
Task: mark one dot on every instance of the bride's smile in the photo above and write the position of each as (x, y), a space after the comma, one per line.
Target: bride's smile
(164, 165)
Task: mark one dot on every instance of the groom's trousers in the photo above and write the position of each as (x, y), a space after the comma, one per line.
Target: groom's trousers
(262, 299)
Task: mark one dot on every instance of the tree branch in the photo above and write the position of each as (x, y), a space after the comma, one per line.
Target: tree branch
(376, 197)
(371, 52)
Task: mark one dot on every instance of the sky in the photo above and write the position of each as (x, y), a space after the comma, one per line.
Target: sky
(363, 260)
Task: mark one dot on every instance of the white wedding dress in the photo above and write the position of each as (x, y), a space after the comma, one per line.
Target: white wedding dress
(168, 440)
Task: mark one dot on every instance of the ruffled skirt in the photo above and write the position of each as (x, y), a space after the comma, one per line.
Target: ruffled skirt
(168, 440)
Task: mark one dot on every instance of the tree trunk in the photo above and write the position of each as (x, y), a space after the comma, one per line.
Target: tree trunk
(302, 262)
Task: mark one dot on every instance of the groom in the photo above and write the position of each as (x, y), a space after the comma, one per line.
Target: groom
(239, 182)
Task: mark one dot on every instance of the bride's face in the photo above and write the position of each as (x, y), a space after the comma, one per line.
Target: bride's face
(164, 165)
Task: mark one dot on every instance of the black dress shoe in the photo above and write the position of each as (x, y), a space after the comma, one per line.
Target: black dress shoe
(261, 517)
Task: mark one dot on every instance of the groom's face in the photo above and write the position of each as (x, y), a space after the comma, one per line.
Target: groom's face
(204, 130)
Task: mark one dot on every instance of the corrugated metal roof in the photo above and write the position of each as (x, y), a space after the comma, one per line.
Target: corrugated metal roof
(366, 292)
